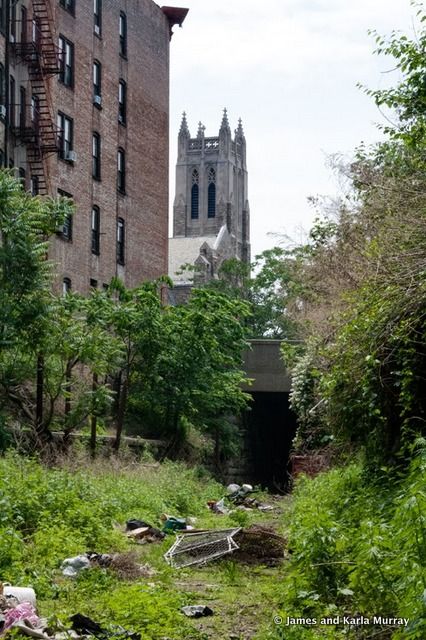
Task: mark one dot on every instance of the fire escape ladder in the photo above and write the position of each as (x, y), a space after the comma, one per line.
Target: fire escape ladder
(42, 56)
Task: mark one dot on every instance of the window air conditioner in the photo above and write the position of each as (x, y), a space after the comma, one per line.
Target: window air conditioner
(71, 156)
(2, 111)
(97, 100)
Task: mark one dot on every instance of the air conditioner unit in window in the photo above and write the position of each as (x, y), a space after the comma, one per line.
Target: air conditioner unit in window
(97, 100)
(71, 156)
(2, 111)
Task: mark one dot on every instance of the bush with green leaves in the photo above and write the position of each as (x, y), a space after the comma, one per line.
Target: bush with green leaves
(358, 547)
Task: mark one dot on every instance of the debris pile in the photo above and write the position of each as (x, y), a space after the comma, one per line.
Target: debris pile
(142, 532)
(197, 611)
(237, 496)
(125, 565)
(21, 616)
(260, 543)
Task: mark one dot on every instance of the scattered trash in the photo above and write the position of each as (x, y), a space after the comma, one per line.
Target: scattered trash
(201, 547)
(21, 594)
(136, 524)
(236, 491)
(142, 532)
(197, 611)
(71, 567)
(218, 506)
(100, 559)
(86, 626)
(22, 612)
(265, 507)
(172, 524)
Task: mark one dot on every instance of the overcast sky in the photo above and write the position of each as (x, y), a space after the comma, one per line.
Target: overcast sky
(289, 68)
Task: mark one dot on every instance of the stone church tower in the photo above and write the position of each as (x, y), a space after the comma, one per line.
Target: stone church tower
(211, 211)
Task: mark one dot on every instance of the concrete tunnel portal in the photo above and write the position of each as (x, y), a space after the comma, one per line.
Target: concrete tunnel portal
(269, 426)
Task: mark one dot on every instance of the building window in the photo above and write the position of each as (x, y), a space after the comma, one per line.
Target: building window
(96, 156)
(24, 24)
(97, 79)
(122, 100)
(22, 107)
(34, 188)
(195, 192)
(12, 99)
(211, 194)
(66, 286)
(35, 112)
(120, 241)
(13, 22)
(3, 5)
(93, 283)
(66, 57)
(65, 137)
(96, 230)
(22, 176)
(65, 231)
(97, 16)
(36, 34)
(121, 170)
(2, 89)
(68, 5)
(123, 34)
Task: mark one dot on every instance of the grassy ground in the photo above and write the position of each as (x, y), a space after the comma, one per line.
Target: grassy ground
(48, 515)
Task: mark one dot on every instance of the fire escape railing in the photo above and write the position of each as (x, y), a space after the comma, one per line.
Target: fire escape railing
(43, 58)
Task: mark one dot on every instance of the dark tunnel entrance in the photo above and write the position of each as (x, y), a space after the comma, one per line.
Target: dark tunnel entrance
(270, 428)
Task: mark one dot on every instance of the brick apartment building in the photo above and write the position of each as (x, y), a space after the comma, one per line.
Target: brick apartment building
(84, 112)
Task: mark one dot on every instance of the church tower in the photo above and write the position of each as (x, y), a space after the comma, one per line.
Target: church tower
(211, 206)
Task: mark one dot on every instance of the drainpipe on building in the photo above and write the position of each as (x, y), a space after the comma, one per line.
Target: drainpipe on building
(7, 84)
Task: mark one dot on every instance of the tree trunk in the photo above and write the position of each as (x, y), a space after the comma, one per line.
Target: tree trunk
(121, 413)
(39, 400)
(93, 421)
(217, 448)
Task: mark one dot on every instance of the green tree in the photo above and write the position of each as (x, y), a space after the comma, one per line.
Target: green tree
(25, 275)
(196, 375)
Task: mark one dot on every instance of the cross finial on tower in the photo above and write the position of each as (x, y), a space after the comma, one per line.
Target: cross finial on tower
(184, 126)
(201, 129)
(225, 123)
(240, 131)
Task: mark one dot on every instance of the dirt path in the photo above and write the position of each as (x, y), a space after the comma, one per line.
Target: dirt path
(241, 589)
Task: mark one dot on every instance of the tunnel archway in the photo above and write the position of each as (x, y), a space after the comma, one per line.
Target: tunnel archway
(270, 427)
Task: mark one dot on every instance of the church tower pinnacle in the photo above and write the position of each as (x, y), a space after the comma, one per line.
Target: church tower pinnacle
(211, 203)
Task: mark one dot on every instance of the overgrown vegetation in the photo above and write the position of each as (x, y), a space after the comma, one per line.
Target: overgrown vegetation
(115, 358)
(358, 534)
(48, 515)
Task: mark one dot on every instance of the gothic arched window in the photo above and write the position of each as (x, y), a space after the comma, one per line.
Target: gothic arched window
(195, 192)
(211, 194)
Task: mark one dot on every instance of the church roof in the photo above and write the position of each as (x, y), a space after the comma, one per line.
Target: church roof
(185, 251)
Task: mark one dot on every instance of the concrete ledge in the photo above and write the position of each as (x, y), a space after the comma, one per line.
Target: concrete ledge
(264, 365)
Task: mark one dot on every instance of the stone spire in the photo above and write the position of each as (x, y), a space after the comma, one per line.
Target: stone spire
(240, 131)
(184, 131)
(225, 123)
(201, 129)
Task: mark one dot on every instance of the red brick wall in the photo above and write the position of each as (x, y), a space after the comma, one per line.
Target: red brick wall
(145, 140)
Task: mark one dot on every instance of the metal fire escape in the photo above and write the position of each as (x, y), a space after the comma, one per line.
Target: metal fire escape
(42, 56)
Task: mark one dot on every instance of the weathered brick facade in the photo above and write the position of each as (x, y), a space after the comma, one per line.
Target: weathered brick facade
(144, 68)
